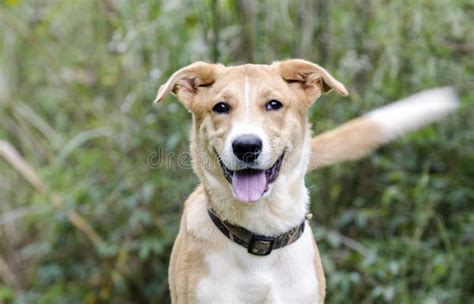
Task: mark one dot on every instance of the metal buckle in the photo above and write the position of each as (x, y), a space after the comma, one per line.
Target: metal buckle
(263, 239)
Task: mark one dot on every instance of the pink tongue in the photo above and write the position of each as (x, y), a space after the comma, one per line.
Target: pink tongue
(249, 186)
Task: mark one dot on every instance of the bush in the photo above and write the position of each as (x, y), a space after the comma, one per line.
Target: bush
(97, 217)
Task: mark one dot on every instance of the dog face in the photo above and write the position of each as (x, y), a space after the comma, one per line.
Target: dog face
(250, 124)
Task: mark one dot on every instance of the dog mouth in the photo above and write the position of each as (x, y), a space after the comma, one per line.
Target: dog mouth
(251, 184)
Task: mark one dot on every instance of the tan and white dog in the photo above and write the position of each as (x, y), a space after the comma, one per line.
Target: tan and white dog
(243, 236)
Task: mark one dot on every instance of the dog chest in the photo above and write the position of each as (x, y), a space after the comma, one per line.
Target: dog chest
(235, 276)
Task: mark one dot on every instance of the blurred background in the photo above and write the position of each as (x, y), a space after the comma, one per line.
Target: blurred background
(88, 215)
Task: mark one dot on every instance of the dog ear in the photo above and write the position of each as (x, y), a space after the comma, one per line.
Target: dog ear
(309, 77)
(185, 82)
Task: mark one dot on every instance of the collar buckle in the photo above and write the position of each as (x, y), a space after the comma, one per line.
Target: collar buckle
(268, 242)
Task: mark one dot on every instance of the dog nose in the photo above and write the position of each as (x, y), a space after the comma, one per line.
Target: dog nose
(247, 147)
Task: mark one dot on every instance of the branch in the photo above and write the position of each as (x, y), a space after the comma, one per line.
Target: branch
(11, 155)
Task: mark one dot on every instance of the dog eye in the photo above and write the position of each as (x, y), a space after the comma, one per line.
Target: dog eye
(273, 105)
(221, 108)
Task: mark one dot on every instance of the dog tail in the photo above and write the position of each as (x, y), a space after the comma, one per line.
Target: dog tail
(358, 137)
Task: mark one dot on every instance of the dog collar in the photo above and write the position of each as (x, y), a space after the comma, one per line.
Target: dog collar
(257, 244)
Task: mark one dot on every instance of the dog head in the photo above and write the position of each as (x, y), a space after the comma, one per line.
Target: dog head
(250, 127)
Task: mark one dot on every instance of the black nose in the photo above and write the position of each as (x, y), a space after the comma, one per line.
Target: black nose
(247, 147)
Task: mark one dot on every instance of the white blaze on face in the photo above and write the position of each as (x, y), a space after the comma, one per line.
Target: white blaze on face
(247, 98)
(246, 125)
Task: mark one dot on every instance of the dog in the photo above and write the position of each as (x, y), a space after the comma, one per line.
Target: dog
(244, 235)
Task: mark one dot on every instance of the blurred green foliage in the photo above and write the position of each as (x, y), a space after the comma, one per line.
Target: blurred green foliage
(76, 84)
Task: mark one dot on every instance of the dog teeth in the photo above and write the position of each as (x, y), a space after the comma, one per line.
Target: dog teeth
(271, 174)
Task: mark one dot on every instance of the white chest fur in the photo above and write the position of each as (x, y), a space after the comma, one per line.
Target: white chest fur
(287, 275)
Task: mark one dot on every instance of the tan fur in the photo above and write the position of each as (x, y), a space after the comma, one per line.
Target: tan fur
(200, 86)
(350, 141)
(186, 264)
(303, 72)
(319, 273)
(191, 246)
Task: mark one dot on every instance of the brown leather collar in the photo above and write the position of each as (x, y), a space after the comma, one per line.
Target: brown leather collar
(256, 244)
